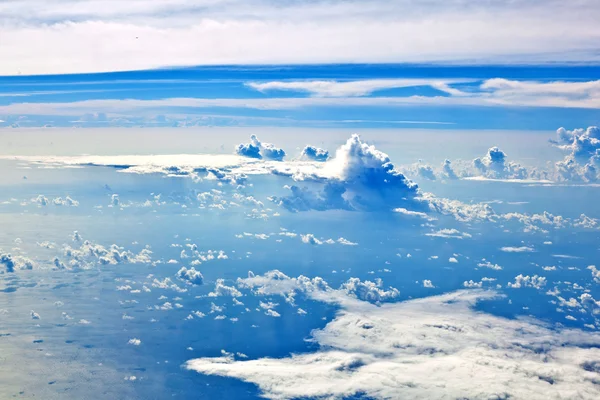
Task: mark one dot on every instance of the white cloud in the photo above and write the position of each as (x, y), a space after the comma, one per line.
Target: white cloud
(190, 275)
(223, 290)
(315, 153)
(520, 249)
(427, 283)
(534, 281)
(258, 149)
(449, 234)
(355, 88)
(434, 347)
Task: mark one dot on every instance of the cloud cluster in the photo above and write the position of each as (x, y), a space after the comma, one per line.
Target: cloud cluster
(260, 150)
(435, 347)
(89, 255)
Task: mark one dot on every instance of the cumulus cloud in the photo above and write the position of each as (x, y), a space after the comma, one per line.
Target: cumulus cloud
(310, 239)
(583, 154)
(190, 275)
(358, 177)
(90, 254)
(315, 153)
(448, 171)
(258, 149)
(494, 165)
(223, 290)
(434, 347)
(15, 263)
(276, 282)
(534, 281)
(369, 291)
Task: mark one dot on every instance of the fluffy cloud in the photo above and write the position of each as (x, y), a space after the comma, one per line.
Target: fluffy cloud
(223, 290)
(14, 263)
(89, 254)
(276, 282)
(369, 291)
(358, 177)
(583, 158)
(258, 149)
(434, 347)
(495, 166)
(448, 171)
(315, 153)
(190, 276)
(534, 281)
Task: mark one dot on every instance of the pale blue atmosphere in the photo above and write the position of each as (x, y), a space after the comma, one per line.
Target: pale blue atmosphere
(305, 200)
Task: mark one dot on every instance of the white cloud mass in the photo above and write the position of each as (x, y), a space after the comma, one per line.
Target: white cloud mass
(436, 347)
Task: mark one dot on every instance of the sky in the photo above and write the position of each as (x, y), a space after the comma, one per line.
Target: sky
(314, 199)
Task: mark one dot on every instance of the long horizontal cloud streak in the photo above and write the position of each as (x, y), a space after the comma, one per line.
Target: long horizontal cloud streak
(68, 36)
(491, 93)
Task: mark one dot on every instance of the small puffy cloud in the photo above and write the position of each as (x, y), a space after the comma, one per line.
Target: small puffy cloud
(114, 200)
(427, 284)
(258, 149)
(134, 342)
(272, 313)
(34, 315)
(534, 281)
(190, 276)
(223, 290)
(494, 165)
(41, 200)
(315, 153)
(487, 264)
(310, 239)
(67, 201)
(346, 242)
(448, 171)
(369, 291)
